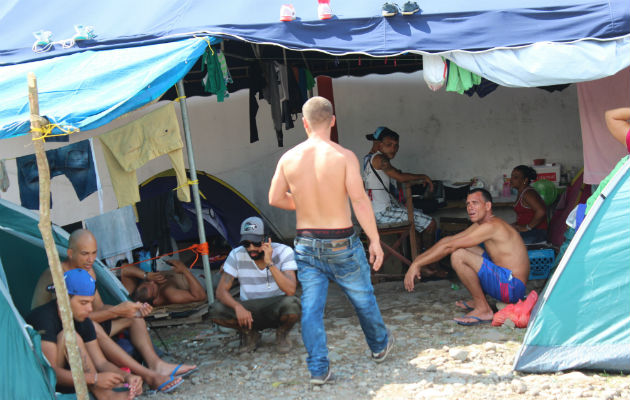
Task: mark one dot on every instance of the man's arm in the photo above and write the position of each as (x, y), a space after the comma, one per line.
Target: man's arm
(195, 291)
(285, 280)
(126, 309)
(381, 162)
(243, 316)
(109, 375)
(472, 236)
(618, 123)
(130, 275)
(64, 375)
(279, 195)
(41, 295)
(362, 206)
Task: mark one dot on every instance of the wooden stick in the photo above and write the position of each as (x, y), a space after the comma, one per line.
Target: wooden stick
(45, 228)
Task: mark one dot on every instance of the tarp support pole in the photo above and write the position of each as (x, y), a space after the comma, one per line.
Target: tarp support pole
(195, 189)
(63, 301)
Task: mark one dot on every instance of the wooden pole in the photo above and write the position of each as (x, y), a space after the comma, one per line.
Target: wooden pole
(45, 228)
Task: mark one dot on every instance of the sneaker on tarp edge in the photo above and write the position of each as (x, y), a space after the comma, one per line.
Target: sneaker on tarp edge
(389, 9)
(410, 8)
(380, 357)
(328, 377)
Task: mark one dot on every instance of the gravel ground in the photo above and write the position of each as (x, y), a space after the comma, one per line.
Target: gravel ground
(434, 358)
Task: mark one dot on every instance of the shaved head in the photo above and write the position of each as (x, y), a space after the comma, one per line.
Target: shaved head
(79, 236)
(317, 111)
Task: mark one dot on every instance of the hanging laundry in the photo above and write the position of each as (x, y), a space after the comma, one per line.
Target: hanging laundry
(460, 79)
(4, 177)
(283, 91)
(129, 147)
(484, 88)
(256, 85)
(74, 161)
(434, 71)
(224, 70)
(115, 232)
(213, 81)
(271, 93)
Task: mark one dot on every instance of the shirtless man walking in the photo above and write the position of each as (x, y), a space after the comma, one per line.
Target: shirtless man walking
(316, 178)
(500, 268)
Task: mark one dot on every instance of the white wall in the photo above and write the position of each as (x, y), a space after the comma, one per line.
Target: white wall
(445, 135)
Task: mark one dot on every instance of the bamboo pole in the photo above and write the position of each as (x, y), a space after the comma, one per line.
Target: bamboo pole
(45, 228)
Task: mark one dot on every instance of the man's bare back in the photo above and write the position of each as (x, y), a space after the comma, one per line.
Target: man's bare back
(315, 171)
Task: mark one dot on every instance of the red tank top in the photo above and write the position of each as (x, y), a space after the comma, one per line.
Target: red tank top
(524, 215)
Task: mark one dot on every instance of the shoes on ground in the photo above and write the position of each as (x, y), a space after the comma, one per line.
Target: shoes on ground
(283, 343)
(380, 357)
(249, 341)
(328, 377)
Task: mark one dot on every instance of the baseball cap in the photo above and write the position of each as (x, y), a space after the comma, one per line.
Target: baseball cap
(252, 229)
(79, 282)
(378, 133)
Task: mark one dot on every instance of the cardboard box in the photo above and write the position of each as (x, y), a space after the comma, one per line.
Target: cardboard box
(549, 172)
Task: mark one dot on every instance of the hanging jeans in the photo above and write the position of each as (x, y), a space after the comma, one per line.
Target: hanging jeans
(73, 161)
(342, 261)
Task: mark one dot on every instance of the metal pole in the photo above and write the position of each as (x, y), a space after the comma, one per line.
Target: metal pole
(195, 188)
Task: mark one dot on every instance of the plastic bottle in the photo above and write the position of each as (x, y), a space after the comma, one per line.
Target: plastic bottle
(506, 187)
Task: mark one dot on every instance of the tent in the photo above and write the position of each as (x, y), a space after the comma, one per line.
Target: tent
(223, 206)
(24, 258)
(25, 372)
(582, 318)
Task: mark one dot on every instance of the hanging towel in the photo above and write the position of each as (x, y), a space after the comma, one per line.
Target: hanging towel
(115, 232)
(213, 82)
(434, 71)
(4, 177)
(227, 77)
(129, 147)
(460, 79)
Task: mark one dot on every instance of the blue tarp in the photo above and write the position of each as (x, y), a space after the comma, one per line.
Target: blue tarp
(89, 89)
(357, 26)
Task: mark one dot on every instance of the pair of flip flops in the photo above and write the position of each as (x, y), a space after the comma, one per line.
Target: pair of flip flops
(477, 321)
(162, 388)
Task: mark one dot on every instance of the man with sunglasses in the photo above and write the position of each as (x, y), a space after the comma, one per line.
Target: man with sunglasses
(266, 274)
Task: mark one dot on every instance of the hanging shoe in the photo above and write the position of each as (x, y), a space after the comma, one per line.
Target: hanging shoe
(410, 7)
(323, 9)
(390, 9)
(287, 12)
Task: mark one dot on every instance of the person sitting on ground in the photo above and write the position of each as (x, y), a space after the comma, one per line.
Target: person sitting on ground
(266, 273)
(101, 376)
(179, 286)
(489, 257)
(111, 320)
(618, 122)
(530, 209)
(381, 178)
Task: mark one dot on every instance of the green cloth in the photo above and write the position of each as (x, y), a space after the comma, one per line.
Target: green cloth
(460, 79)
(603, 184)
(310, 81)
(214, 82)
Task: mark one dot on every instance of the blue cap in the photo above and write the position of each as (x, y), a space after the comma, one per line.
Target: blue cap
(79, 282)
(379, 133)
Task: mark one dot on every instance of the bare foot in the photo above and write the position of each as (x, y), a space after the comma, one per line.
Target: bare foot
(475, 318)
(167, 369)
(466, 305)
(159, 379)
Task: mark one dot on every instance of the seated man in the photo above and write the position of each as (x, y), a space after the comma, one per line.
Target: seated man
(110, 319)
(266, 272)
(101, 376)
(500, 268)
(160, 288)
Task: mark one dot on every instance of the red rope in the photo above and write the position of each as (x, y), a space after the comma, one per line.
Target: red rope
(197, 248)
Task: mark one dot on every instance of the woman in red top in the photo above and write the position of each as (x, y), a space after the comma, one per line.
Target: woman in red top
(531, 212)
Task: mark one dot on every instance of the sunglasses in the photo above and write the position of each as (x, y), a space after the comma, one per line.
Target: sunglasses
(247, 243)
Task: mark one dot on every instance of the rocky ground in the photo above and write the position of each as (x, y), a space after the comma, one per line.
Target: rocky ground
(434, 358)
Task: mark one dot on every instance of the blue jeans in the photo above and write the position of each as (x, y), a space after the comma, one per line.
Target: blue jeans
(342, 261)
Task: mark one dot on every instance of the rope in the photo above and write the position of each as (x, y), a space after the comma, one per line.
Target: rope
(197, 248)
(46, 131)
(179, 98)
(190, 183)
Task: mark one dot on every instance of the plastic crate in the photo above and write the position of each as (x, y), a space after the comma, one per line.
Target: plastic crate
(540, 263)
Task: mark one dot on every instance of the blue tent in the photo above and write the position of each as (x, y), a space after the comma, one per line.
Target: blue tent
(132, 60)
(582, 318)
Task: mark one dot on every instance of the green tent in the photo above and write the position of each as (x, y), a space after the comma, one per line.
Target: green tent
(25, 373)
(582, 318)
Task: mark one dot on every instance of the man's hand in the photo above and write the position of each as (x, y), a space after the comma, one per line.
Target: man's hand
(107, 380)
(128, 309)
(266, 248)
(177, 265)
(244, 317)
(428, 181)
(376, 255)
(145, 310)
(412, 273)
(156, 277)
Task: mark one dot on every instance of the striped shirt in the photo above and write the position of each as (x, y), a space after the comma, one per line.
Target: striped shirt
(256, 283)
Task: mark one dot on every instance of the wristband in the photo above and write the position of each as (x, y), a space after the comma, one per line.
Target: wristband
(268, 265)
(146, 276)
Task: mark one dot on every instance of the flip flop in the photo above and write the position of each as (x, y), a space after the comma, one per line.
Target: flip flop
(478, 321)
(466, 306)
(185, 374)
(160, 389)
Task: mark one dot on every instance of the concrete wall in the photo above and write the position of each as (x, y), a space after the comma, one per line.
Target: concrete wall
(445, 135)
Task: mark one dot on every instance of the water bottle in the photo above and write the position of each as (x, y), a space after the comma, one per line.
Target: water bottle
(506, 187)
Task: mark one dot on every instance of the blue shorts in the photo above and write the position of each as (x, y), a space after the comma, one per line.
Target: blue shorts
(499, 283)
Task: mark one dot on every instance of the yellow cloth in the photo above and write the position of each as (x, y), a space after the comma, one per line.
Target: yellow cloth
(129, 147)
